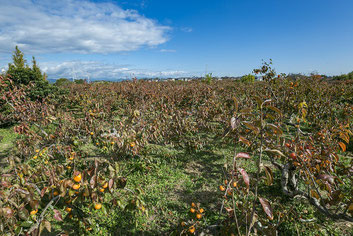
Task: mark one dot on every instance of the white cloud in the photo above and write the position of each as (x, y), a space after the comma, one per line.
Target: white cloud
(75, 26)
(167, 50)
(98, 70)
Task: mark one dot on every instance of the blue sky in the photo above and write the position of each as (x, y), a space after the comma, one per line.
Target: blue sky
(150, 38)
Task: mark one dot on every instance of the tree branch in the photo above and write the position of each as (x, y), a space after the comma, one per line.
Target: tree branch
(41, 217)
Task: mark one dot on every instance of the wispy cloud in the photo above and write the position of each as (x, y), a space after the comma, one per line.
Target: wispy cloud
(186, 29)
(167, 50)
(75, 26)
(98, 70)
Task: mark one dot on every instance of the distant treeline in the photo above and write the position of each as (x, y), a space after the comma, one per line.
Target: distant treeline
(348, 76)
(245, 78)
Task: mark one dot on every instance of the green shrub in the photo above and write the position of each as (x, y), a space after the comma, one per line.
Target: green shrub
(248, 78)
(79, 81)
(62, 82)
(348, 76)
(208, 78)
(22, 74)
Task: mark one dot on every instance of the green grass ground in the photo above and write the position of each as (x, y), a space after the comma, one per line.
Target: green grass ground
(176, 179)
(171, 179)
(7, 138)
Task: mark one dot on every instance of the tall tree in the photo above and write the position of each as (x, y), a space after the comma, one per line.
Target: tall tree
(35, 68)
(18, 59)
(20, 73)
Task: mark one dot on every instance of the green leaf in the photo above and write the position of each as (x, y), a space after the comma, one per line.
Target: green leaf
(27, 224)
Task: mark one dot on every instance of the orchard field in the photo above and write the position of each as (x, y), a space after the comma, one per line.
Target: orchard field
(168, 158)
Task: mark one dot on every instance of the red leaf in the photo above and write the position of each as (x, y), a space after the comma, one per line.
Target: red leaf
(267, 207)
(57, 215)
(245, 177)
(242, 155)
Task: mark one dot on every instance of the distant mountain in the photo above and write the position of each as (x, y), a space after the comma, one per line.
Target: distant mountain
(51, 81)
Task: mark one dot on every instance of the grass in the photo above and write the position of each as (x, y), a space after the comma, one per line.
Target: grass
(170, 179)
(7, 138)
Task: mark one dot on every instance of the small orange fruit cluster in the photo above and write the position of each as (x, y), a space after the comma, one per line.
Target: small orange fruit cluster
(191, 229)
(196, 212)
(72, 156)
(228, 187)
(104, 185)
(195, 208)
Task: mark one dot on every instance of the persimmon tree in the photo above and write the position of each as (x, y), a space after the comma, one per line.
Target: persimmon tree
(307, 164)
(65, 169)
(49, 177)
